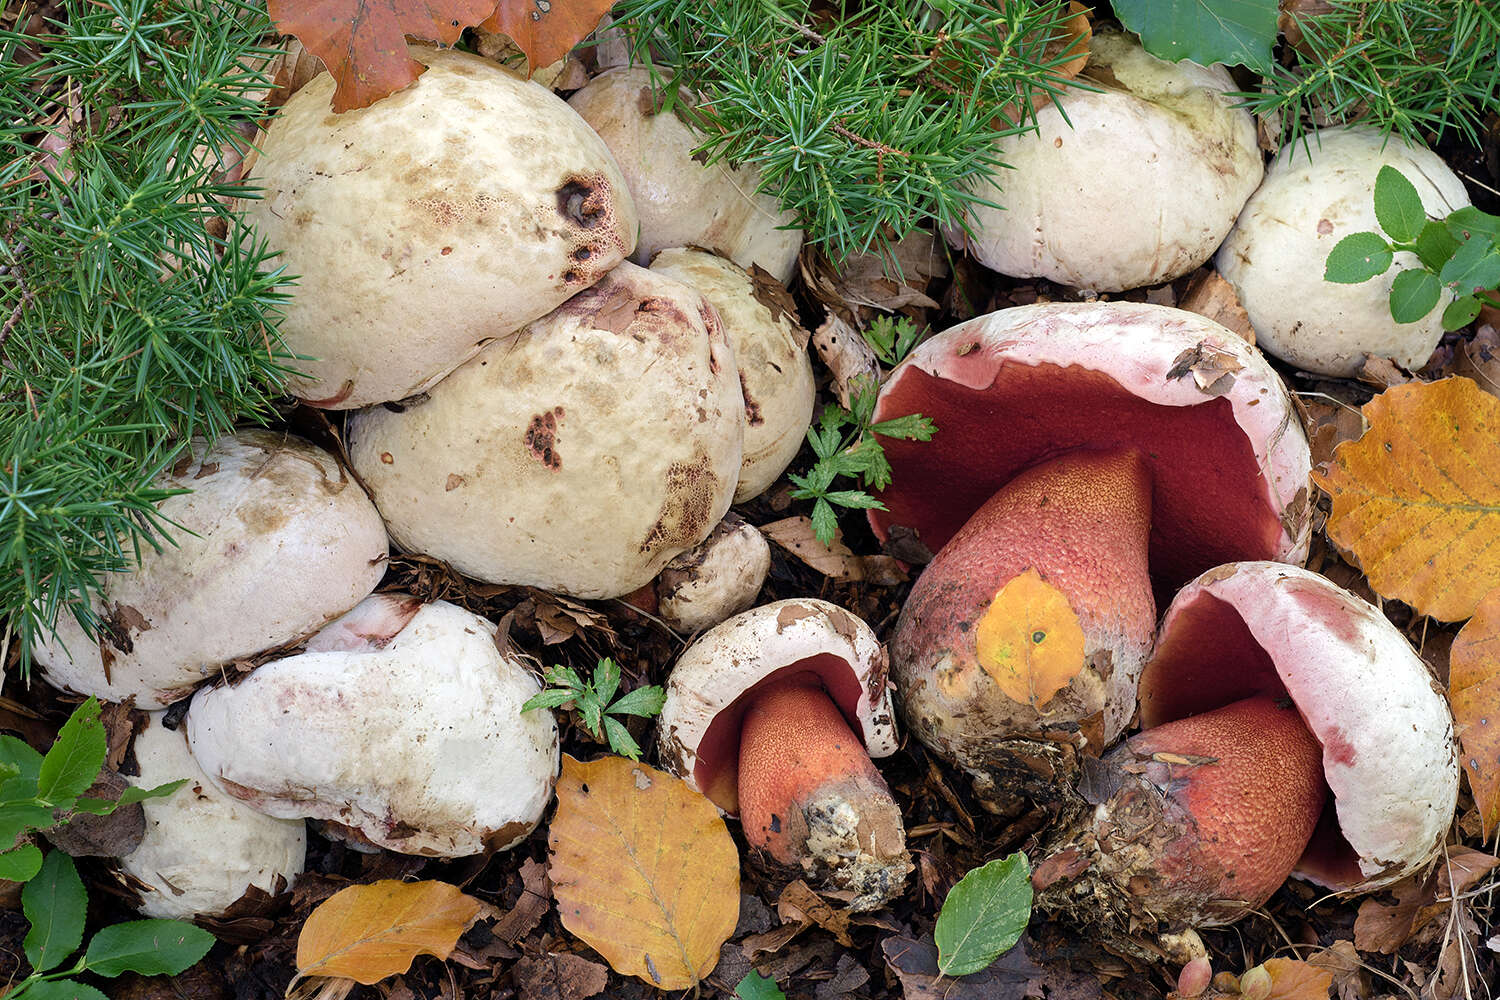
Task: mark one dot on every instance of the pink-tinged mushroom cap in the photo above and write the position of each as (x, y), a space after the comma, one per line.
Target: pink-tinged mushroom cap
(1227, 456)
(1385, 728)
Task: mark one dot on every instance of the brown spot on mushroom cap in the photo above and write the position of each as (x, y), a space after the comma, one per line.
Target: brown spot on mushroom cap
(541, 438)
(687, 509)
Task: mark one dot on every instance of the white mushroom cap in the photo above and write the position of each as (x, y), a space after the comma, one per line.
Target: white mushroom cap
(682, 202)
(202, 849)
(720, 577)
(1316, 193)
(580, 456)
(770, 350)
(699, 724)
(401, 722)
(441, 217)
(1138, 185)
(1389, 755)
(274, 541)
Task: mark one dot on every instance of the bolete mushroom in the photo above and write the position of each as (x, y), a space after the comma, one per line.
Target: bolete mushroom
(774, 715)
(401, 725)
(580, 455)
(1271, 690)
(1131, 184)
(1316, 192)
(682, 201)
(203, 850)
(717, 578)
(1084, 452)
(273, 542)
(430, 223)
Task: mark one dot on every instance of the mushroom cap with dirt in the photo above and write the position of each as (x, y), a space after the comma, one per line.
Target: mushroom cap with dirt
(774, 715)
(1316, 192)
(1115, 450)
(438, 219)
(1137, 185)
(203, 850)
(682, 201)
(580, 455)
(715, 579)
(274, 541)
(401, 725)
(1205, 813)
(770, 350)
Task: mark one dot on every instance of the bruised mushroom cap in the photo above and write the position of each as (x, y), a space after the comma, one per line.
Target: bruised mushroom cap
(274, 541)
(1316, 193)
(1137, 185)
(706, 692)
(1388, 750)
(681, 201)
(402, 722)
(770, 350)
(579, 456)
(441, 217)
(203, 849)
(720, 577)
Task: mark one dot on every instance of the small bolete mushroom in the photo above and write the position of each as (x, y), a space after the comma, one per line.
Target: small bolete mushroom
(681, 201)
(1132, 184)
(273, 542)
(1270, 690)
(203, 850)
(1104, 447)
(430, 223)
(717, 578)
(1317, 191)
(774, 715)
(401, 724)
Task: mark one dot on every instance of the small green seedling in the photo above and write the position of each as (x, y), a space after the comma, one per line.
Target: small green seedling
(892, 338)
(1460, 253)
(594, 701)
(983, 916)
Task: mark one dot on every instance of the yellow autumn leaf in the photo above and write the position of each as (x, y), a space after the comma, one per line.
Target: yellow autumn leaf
(643, 870)
(1029, 640)
(1294, 980)
(1416, 500)
(1474, 690)
(368, 932)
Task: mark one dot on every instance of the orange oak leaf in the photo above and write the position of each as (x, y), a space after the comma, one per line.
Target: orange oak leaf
(643, 870)
(1474, 690)
(546, 29)
(1416, 500)
(368, 932)
(1294, 980)
(1029, 640)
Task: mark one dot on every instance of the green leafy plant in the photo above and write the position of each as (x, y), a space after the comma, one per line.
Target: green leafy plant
(595, 702)
(1460, 253)
(757, 987)
(1205, 31)
(892, 337)
(983, 916)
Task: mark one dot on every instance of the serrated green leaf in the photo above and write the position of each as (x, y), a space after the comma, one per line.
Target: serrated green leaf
(825, 523)
(131, 795)
(1205, 31)
(856, 499)
(1398, 207)
(606, 680)
(56, 904)
(62, 989)
(8, 772)
(18, 754)
(1413, 295)
(1434, 245)
(590, 712)
(983, 916)
(20, 818)
(912, 427)
(620, 740)
(20, 863)
(757, 987)
(1474, 267)
(77, 755)
(643, 701)
(1461, 312)
(149, 947)
(549, 698)
(1357, 257)
(1470, 221)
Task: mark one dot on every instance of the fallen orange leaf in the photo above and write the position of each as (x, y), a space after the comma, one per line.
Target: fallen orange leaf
(1029, 640)
(1474, 690)
(1416, 500)
(1294, 980)
(547, 29)
(368, 932)
(643, 870)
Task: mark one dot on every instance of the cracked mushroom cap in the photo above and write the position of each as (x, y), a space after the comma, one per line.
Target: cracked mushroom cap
(1386, 732)
(274, 541)
(711, 684)
(1138, 185)
(442, 217)
(1315, 194)
(681, 201)
(203, 849)
(580, 456)
(401, 723)
(770, 350)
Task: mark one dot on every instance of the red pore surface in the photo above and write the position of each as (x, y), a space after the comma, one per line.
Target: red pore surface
(1208, 503)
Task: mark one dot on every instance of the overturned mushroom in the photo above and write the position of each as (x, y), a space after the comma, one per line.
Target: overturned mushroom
(720, 577)
(774, 715)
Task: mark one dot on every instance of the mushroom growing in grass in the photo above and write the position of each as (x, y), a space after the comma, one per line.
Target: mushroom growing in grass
(774, 715)
(1288, 727)
(1088, 456)
(401, 726)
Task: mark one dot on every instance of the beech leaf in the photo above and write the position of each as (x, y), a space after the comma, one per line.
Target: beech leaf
(1294, 980)
(368, 932)
(1029, 640)
(1474, 689)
